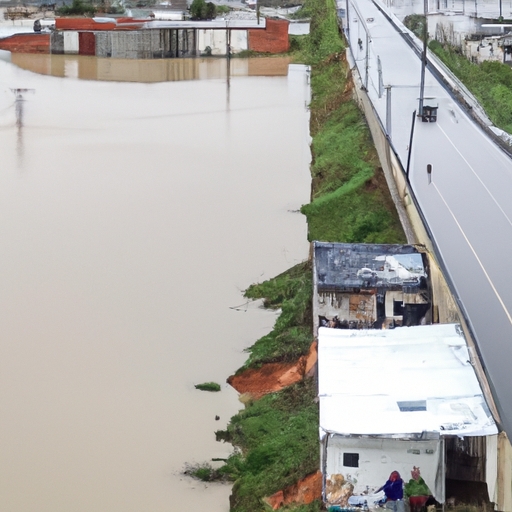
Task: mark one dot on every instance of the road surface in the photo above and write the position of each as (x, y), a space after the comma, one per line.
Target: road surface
(466, 204)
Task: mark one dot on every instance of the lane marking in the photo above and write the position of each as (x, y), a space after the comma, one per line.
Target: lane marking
(477, 176)
(476, 256)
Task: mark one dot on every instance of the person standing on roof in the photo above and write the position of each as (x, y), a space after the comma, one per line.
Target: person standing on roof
(394, 491)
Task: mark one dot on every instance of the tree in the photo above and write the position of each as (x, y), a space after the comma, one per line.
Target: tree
(201, 10)
(198, 10)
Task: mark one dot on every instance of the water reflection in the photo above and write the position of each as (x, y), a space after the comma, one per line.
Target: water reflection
(18, 108)
(142, 212)
(150, 70)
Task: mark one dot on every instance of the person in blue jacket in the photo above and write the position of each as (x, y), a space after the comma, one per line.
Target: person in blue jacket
(394, 491)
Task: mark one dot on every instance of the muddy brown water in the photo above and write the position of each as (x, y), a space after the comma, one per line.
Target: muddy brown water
(132, 216)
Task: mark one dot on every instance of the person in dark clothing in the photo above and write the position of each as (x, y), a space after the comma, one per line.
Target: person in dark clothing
(394, 491)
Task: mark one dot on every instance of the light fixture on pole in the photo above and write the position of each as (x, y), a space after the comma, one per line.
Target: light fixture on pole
(423, 59)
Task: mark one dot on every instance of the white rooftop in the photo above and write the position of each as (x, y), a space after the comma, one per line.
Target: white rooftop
(399, 381)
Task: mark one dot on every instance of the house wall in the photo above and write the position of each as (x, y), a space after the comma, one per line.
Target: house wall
(504, 485)
(71, 42)
(216, 40)
(466, 458)
(274, 39)
(356, 307)
(491, 469)
(379, 457)
(145, 44)
(86, 43)
(390, 299)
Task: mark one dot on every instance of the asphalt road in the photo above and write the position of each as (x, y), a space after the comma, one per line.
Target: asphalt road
(467, 204)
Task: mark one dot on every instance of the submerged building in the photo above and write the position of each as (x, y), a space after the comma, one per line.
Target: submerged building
(130, 38)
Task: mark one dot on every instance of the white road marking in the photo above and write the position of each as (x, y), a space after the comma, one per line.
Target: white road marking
(476, 256)
(476, 175)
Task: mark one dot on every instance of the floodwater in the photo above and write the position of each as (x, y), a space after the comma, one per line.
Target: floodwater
(132, 216)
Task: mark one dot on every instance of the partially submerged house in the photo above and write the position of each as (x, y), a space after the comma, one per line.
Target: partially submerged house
(396, 390)
(130, 38)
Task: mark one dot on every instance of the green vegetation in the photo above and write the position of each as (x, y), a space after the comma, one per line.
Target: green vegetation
(416, 488)
(490, 82)
(206, 473)
(350, 199)
(351, 202)
(208, 386)
(202, 10)
(223, 9)
(78, 7)
(277, 440)
(291, 337)
(85, 8)
(416, 24)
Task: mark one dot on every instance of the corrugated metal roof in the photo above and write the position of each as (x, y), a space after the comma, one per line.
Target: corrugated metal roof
(339, 266)
(399, 381)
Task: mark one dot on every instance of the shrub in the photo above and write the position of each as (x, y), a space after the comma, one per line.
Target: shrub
(490, 82)
(416, 24)
(291, 337)
(208, 386)
(77, 7)
(205, 472)
(202, 10)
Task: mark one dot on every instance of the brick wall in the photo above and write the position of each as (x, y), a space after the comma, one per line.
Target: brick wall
(26, 43)
(274, 39)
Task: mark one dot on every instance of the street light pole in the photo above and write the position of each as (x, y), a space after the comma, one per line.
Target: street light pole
(423, 59)
(388, 110)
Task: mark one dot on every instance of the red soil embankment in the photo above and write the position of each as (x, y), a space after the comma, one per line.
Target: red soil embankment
(268, 379)
(304, 492)
(273, 377)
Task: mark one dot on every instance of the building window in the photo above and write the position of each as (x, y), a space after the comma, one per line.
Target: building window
(398, 308)
(351, 460)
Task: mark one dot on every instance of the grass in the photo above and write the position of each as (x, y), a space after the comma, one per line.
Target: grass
(292, 335)
(208, 386)
(206, 473)
(490, 82)
(277, 440)
(350, 198)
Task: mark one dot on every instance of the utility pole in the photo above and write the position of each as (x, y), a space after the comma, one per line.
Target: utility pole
(388, 111)
(423, 59)
(348, 24)
(367, 64)
(410, 147)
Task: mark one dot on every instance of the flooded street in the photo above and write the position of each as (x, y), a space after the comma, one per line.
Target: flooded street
(132, 216)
